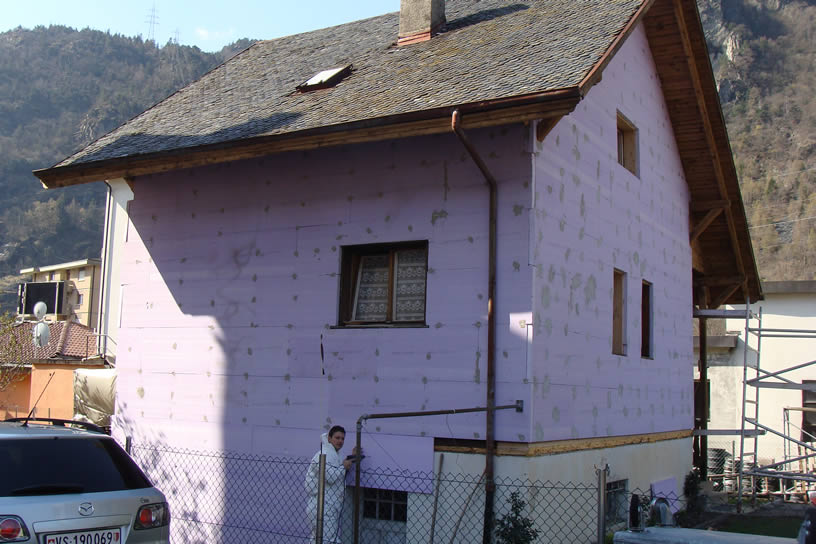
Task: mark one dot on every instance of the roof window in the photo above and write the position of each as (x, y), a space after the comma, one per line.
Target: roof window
(325, 79)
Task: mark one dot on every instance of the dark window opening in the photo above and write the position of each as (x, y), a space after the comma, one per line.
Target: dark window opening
(384, 284)
(619, 313)
(646, 320)
(385, 504)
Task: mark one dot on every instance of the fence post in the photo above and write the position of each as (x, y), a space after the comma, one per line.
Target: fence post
(128, 444)
(602, 473)
(321, 494)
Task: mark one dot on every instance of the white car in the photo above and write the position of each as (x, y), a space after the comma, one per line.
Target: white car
(64, 485)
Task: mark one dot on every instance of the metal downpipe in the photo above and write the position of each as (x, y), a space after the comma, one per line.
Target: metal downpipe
(490, 434)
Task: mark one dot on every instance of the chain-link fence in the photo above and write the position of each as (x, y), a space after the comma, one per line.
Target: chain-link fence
(230, 497)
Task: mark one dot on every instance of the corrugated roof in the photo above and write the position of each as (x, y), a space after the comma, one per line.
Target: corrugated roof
(490, 49)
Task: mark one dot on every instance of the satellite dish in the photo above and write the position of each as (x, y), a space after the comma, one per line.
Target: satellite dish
(42, 334)
(39, 310)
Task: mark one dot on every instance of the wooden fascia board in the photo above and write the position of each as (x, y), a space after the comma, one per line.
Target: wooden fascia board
(478, 115)
(707, 127)
(555, 447)
(596, 72)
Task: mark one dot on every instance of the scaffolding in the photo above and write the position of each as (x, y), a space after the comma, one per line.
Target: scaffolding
(794, 471)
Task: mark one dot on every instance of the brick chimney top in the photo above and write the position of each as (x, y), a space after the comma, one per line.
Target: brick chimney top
(419, 20)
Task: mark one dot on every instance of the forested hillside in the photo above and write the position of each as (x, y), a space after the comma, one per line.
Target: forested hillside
(61, 88)
(763, 53)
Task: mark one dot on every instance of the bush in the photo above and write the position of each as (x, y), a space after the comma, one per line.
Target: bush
(514, 527)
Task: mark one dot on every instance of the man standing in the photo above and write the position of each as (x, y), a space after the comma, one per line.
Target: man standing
(335, 488)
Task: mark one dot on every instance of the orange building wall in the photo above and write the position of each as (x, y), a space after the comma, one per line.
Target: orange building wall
(14, 399)
(58, 399)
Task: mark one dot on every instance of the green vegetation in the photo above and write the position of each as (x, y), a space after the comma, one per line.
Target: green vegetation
(762, 51)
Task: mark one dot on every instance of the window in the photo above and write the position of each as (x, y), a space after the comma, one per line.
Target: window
(52, 276)
(627, 144)
(616, 502)
(81, 273)
(80, 298)
(646, 319)
(809, 413)
(385, 504)
(384, 284)
(619, 313)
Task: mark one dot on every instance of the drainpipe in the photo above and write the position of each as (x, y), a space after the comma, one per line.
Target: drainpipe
(103, 269)
(490, 434)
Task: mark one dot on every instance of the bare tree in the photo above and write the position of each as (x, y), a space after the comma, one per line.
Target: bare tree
(12, 365)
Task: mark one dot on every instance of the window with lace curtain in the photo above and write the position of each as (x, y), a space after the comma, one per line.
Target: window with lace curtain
(384, 284)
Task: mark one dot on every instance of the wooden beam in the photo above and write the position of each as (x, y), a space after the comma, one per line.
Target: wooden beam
(535, 449)
(726, 294)
(710, 138)
(544, 126)
(704, 223)
(706, 205)
(719, 281)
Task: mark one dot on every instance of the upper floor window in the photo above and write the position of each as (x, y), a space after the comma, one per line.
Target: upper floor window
(619, 312)
(384, 284)
(628, 145)
(81, 273)
(646, 339)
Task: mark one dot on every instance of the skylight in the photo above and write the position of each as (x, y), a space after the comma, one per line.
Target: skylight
(324, 79)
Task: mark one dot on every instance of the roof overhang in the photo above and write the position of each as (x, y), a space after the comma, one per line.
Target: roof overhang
(431, 121)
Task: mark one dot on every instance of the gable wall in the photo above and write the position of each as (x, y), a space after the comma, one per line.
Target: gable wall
(230, 286)
(591, 216)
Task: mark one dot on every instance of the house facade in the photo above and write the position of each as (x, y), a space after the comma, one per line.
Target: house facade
(260, 295)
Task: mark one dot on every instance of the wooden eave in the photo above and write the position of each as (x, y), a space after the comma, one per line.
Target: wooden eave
(725, 267)
(434, 121)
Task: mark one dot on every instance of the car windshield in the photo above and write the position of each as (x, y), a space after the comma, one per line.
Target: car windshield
(60, 465)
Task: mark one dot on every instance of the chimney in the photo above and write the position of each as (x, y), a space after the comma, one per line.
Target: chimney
(419, 20)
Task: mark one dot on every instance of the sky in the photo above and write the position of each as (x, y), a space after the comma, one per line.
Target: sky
(208, 24)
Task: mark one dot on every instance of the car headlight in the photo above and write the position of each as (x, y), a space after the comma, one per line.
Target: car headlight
(151, 516)
(12, 529)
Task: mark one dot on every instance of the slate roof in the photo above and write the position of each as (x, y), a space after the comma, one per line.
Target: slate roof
(67, 342)
(490, 49)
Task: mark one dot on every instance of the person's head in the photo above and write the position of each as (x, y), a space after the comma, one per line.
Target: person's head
(337, 435)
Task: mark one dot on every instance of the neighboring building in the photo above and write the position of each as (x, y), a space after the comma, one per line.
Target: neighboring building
(46, 373)
(70, 290)
(789, 306)
(282, 257)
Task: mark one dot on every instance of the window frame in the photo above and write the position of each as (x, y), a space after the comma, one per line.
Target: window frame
(646, 320)
(81, 274)
(376, 497)
(617, 493)
(350, 264)
(628, 144)
(618, 312)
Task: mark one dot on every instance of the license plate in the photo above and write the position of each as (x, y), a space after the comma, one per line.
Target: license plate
(103, 536)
